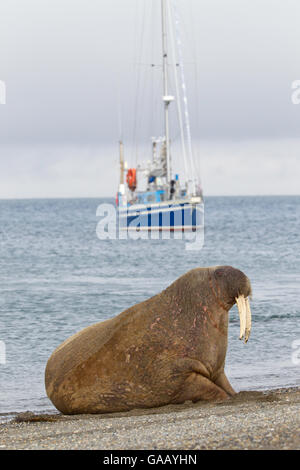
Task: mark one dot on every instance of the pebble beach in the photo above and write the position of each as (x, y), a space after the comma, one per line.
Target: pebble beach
(250, 420)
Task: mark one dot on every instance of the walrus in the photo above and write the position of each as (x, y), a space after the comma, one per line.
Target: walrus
(168, 349)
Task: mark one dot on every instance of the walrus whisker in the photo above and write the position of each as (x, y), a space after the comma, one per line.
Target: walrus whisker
(241, 304)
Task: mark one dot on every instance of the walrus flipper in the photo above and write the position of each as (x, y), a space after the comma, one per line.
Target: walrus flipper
(223, 383)
(197, 387)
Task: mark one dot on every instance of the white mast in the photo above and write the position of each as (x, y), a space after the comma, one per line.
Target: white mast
(185, 103)
(121, 162)
(166, 98)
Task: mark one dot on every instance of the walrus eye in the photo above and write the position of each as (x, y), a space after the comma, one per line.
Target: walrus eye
(245, 316)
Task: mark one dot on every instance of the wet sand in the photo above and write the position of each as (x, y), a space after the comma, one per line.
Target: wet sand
(250, 420)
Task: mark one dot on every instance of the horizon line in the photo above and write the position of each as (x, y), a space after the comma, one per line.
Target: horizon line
(113, 197)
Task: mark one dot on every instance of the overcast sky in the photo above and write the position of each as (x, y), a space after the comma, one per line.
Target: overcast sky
(78, 77)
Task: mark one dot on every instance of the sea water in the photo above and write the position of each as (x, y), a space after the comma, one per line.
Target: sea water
(57, 277)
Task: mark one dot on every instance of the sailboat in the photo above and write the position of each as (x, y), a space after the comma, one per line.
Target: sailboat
(165, 203)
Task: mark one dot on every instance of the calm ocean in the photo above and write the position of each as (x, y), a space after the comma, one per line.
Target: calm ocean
(57, 277)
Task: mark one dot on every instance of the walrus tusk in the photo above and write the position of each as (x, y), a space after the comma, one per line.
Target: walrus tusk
(248, 320)
(241, 304)
(245, 316)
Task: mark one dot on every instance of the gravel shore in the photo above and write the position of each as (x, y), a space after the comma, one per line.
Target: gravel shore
(251, 420)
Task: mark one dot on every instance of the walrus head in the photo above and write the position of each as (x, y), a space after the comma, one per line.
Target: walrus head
(236, 288)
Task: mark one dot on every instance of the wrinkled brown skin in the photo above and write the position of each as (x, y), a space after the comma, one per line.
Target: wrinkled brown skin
(168, 349)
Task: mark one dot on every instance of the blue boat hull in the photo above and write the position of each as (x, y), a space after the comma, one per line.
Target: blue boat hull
(171, 217)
